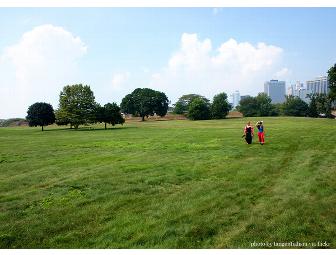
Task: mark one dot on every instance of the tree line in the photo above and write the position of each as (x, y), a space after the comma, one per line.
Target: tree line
(197, 107)
(261, 105)
(77, 106)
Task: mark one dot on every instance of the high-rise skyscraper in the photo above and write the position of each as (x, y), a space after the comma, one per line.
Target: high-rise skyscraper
(235, 99)
(276, 90)
(298, 90)
(318, 86)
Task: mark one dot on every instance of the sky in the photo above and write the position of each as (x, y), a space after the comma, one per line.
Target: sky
(175, 50)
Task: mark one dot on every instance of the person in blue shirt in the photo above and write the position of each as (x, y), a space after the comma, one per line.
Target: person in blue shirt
(261, 132)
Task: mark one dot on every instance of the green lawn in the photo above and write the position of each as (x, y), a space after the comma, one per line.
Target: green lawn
(168, 184)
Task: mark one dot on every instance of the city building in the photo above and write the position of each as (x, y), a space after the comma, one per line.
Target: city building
(276, 90)
(298, 90)
(303, 94)
(318, 86)
(235, 99)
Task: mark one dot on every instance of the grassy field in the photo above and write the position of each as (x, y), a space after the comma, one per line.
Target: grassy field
(168, 184)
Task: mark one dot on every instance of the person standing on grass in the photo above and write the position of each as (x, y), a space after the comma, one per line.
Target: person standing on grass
(261, 132)
(248, 133)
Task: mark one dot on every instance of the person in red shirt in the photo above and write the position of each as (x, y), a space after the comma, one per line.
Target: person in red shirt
(248, 133)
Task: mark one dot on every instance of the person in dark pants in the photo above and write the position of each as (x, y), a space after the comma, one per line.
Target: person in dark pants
(248, 132)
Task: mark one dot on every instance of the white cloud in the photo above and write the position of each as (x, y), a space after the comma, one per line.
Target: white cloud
(198, 68)
(37, 67)
(193, 54)
(283, 73)
(116, 86)
(119, 80)
(215, 11)
(47, 58)
(146, 70)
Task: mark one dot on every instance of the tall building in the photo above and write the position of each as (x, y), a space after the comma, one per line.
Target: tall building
(318, 86)
(276, 90)
(294, 89)
(235, 99)
(303, 95)
(298, 90)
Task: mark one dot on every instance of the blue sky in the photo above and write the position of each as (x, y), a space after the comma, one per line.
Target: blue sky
(175, 50)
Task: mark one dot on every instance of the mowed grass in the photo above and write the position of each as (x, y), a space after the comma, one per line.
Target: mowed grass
(168, 184)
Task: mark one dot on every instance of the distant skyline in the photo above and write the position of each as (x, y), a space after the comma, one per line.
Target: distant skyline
(174, 50)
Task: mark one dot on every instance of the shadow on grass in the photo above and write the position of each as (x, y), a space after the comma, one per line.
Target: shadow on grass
(87, 129)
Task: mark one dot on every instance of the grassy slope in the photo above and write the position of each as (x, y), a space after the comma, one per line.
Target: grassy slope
(168, 184)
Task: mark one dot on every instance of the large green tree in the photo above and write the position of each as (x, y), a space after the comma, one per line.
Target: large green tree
(248, 106)
(145, 102)
(261, 105)
(161, 103)
(179, 108)
(265, 106)
(40, 114)
(277, 109)
(128, 105)
(295, 106)
(109, 114)
(312, 106)
(323, 105)
(332, 83)
(199, 110)
(182, 104)
(220, 106)
(77, 106)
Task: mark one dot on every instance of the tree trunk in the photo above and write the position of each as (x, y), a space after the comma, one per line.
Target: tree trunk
(143, 118)
(76, 126)
(42, 128)
(105, 125)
